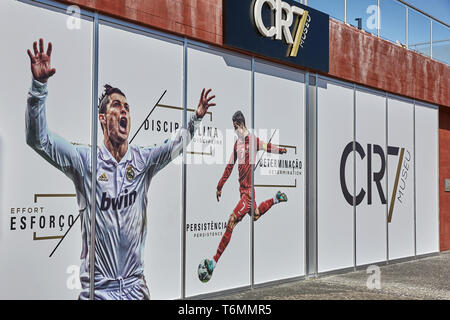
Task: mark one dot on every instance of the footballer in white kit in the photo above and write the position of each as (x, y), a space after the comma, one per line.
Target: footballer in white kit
(124, 173)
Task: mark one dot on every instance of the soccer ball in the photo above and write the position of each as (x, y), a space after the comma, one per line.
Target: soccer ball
(202, 271)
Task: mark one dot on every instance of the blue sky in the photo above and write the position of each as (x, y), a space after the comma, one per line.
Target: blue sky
(438, 8)
(393, 21)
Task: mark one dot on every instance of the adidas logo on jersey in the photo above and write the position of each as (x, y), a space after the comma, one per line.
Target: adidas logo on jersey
(118, 203)
(103, 177)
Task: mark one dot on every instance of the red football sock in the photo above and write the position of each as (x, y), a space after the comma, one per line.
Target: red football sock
(223, 243)
(264, 206)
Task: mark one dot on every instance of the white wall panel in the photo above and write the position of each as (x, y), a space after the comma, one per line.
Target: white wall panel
(427, 179)
(143, 67)
(280, 106)
(401, 200)
(28, 271)
(370, 178)
(335, 213)
(229, 77)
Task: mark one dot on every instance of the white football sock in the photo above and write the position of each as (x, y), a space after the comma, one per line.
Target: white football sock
(275, 199)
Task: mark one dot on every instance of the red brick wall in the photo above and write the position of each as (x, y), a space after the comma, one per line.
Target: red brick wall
(359, 57)
(444, 172)
(198, 19)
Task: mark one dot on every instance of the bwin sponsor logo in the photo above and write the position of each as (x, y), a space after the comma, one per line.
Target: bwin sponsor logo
(118, 203)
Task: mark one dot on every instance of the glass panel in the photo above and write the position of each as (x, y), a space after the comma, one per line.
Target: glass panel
(371, 221)
(400, 194)
(366, 10)
(335, 237)
(418, 32)
(335, 8)
(45, 157)
(393, 21)
(441, 42)
(147, 222)
(274, 176)
(211, 163)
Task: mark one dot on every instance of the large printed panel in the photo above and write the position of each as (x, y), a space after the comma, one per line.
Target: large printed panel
(427, 179)
(400, 195)
(335, 176)
(210, 233)
(279, 122)
(143, 67)
(45, 185)
(370, 186)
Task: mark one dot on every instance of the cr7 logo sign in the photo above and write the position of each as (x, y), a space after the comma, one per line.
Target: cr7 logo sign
(283, 14)
(374, 150)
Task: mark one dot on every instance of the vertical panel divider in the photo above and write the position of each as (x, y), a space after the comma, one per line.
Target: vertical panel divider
(252, 223)
(415, 197)
(305, 180)
(438, 181)
(316, 188)
(387, 177)
(94, 131)
(415, 180)
(354, 177)
(311, 115)
(183, 174)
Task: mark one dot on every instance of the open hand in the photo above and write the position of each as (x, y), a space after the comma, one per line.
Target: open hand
(40, 62)
(204, 103)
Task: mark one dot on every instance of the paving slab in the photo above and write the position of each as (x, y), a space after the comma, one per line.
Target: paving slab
(420, 279)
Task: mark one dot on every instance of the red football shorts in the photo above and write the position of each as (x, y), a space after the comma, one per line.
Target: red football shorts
(244, 205)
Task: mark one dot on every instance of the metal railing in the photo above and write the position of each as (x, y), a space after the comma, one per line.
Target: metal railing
(393, 20)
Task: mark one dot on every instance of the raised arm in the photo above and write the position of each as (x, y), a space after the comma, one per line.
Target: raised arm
(269, 147)
(227, 172)
(58, 152)
(163, 154)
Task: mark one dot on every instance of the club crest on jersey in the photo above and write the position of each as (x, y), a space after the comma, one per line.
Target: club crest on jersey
(103, 177)
(130, 173)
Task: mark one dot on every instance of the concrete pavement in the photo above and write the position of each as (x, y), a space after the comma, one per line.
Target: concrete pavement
(424, 279)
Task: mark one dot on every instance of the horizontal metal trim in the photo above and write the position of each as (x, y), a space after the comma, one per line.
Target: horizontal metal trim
(277, 65)
(336, 81)
(196, 45)
(428, 255)
(370, 90)
(413, 258)
(401, 260)
(201, 44)
(218, 293)
(132, 27)
(425, 104)
(278, 282)
(58, 7)
(335, 272)
(401, 98)
(379, 263)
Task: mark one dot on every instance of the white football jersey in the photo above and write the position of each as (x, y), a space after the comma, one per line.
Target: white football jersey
(121, 192)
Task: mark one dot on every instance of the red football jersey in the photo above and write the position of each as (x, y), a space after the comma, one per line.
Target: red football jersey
(241, 153)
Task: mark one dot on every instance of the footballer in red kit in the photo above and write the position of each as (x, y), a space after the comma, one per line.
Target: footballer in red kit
(244, 152)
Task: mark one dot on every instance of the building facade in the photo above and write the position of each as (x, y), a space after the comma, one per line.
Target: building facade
(364, 122)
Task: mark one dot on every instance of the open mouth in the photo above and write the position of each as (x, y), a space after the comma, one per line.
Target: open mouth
(123, 125)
